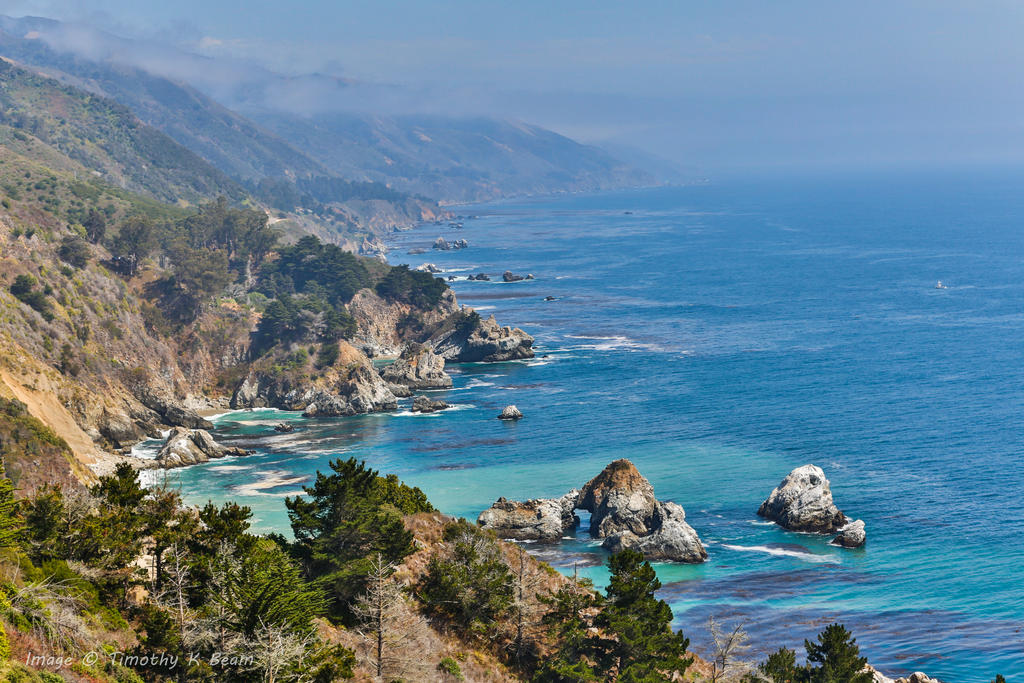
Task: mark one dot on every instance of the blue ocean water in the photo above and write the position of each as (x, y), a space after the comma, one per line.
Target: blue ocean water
(719, 336)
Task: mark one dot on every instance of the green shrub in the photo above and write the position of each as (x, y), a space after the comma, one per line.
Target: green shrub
(449, 666)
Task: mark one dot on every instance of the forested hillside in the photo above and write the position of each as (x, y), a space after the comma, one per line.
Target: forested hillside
(106, 138)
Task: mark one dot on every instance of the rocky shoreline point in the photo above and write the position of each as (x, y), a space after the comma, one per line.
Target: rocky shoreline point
(803, 502)
(186, 446)
(623, 511)
(484, 342)
(418, 367)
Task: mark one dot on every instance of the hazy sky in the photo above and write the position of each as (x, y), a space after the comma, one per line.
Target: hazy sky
(714, 84)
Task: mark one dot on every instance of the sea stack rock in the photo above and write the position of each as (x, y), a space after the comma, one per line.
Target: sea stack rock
(509, 276)
(803, 502)
(422, 404)
(510, 413)
(671, 539)
(624, 511)
(619, 499)
(192, 446)
(851, 536)
(417, 368)
(541, 519)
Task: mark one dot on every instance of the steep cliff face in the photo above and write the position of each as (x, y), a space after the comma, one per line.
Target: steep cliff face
(384, 327)
(348, 386)
(77, 351)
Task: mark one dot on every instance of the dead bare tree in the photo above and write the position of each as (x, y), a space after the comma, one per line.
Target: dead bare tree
(729, 649)
(526, 607)
(393, 635)
(274, 651)
(53, 614)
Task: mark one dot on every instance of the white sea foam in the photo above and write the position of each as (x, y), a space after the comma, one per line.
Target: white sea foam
(230, 468)
(784, 552)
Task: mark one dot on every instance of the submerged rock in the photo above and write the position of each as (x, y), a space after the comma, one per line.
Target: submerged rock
(484, 341)
(619, 499)
(417, 368)
(192, 446)
(423, 404)
(670, 538)
(284, 428)
(851, 536)
(540, 519)
(510, 412)
(803, 502)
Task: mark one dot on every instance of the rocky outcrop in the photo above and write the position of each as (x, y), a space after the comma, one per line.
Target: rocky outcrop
(670, 538)
(510, 412)
(803, 502)
(851, 536)
(350, 387)
(192, 446)
(171, 411)
(423, 404)
(417, 368)
(483, 341)
(619, 499)
(119, 429)
(381, 324)
(481, 277)
(427, 268)
(918, 677)
(540, 519)
(509, 276)
(623, 511)
(361, 390)
(442, 244)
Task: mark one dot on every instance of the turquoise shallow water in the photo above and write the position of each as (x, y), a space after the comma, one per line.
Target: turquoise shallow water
(719, 336)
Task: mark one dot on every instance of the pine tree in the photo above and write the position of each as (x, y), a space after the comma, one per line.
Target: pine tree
(780, 667)
(838, 657)
(643, 649)
(468, 583)
(348, 518)
(568, 619)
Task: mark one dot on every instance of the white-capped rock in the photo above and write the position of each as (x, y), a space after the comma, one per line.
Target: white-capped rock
(803, 502)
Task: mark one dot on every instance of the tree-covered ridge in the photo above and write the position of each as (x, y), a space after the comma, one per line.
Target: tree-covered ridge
(106, 138)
